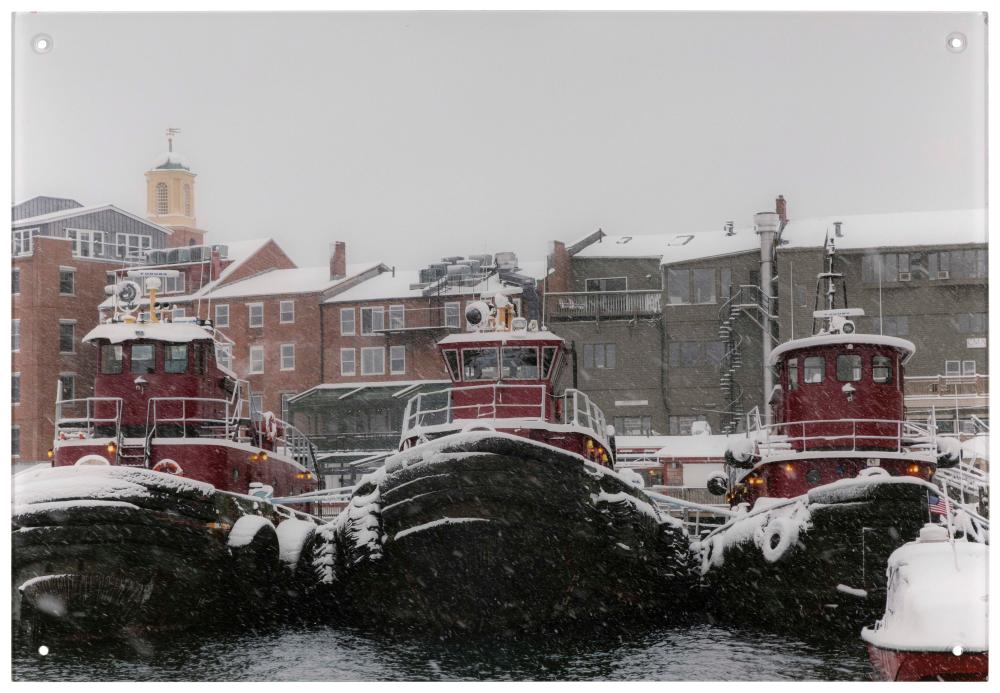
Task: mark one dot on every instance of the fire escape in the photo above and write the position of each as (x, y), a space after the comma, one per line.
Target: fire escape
(749, 302)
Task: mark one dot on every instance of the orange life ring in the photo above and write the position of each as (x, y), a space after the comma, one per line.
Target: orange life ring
(168, 467)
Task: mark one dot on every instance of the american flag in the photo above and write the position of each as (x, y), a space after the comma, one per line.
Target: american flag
(938, 505)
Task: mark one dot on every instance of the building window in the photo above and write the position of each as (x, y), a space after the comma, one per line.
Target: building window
(397, 317)
(67, 386)
(678, 286)
(633, 425)
(15, 281)
(695, 354)
(224, 356)
(814, 369)
(132, 245)
(286, 312)
(848, 368)
(256, 358)
(178, 314)
(607, 284)
(881, 369)
(704, 285)
(346, 321)
(86, 243)
(372, 320)
(288, 357)
(15, 441)
(173, 285)
(67, 336)
(161, 198)
(599, 356)
(793, 374)
(452, 314)
(896, 325)
(957, 264)
(15, 335)
(67, 281)
(953, 368)
(348, 362)
(726, 283)
(15, 388)
(373, 361)
(256, 405)
(397, 359)
(110, 279)
(286, 413)
(681, 425)
(970, 323)
(187, 199)
(222, 315)
(968, 367)
(23, 241)
(256, 314)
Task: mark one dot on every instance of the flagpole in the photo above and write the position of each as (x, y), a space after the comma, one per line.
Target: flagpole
(947, 517)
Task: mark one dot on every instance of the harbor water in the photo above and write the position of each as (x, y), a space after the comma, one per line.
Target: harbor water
(702, 652)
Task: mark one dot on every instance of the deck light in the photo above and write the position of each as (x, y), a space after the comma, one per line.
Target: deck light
(263, 456)
(254, 457)
(112, 448)
(913, 469)
(789, 467)
(50, 453)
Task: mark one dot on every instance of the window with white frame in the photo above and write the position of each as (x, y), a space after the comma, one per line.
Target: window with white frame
(161, 198)
(288, 357)
(187, 199)
(348, 362)
(173, 285)
(968, 367)
(67, 281)
(67, 336)
(286, 414)
(132, 244)
(15, 388)
(372, 320)
(15, 281)
(222, 315)
(256, 405)
(256, 317)
(23, 241)
(452, 314)
(397, 317)
(953, 368)
(397, 359)
(257, 358)
(224, 355)
(15, 335)
(67, 386)
(86, 243)
(607, 284)
(373, 361)
(178, 313)
(286, 312)
(15, 441)
(347, 321)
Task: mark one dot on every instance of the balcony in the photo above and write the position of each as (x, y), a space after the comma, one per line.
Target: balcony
(947, 391)
(602, 305)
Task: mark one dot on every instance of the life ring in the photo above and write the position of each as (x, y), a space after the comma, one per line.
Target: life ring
(91, 460)
(780, 534)
(168, 467)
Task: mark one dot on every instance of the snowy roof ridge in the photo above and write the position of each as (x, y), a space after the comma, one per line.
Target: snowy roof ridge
(78, 211)
(290, 280)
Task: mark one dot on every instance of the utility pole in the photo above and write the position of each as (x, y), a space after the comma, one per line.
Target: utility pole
(766, 226)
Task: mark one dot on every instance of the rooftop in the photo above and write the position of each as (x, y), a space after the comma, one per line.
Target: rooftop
(300, 280)
(79, 211)
(171, 161)
(397, 285)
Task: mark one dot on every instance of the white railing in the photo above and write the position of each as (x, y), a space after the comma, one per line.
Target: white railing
(607, 304)
(81, 415)
(439, 408)
(854, 435)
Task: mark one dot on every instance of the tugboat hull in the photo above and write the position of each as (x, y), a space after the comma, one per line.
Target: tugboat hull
(817, 562)
(495, 532)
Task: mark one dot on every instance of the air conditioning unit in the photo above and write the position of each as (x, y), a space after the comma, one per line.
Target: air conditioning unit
(904, 276)
(943, 274)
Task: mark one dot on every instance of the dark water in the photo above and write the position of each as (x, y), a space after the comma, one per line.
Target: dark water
(693, 653)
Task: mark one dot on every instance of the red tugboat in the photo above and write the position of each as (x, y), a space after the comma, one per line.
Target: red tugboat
(935, 624)
(502, 511)
(830, 489)
(156, 512)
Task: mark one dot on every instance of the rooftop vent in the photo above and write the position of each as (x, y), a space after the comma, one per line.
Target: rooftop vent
(681, 240)
(729, 228)
(836, 229)
(623, 240)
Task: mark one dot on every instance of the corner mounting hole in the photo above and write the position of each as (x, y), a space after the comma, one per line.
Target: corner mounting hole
(956, 42)
(42, 43)
(43, 650)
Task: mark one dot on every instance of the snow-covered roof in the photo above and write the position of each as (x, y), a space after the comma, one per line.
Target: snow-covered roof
(536, 269)
(694, 446)
(79, 211)
(397, 285)
(176, 332)
(373, 384)
(171, 160)
(299, 280)
(501, 337)
(904, 345)
(629, 443)
(673, 247)
(898, 229)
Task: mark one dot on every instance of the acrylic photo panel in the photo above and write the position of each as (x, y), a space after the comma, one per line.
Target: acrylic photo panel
(499, 346)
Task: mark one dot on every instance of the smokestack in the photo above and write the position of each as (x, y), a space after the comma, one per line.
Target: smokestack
(216, 258)
(781, 208)
(338, 260)
(766, 225)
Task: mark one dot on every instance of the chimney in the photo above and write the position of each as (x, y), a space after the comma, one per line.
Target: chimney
(781, 207)
(338, 260)
(559, 262)
(216, 262)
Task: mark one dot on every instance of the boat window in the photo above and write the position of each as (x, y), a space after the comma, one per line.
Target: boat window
(175, 358)
(814, 367)
(881, 369)
(143, 357)
(793, 374)
(451, 358)
(111, 359)
(548, 360)
(848, 367)
(480, 364)
(520, 363)
(199, 359)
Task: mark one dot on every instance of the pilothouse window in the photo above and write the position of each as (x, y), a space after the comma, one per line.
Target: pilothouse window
(480, 364)
(881, 369)
(111, 359)
(548, 360)
(143, 358)
(520, 363)
(848, 368)
(813, 371)
(451, 358)
(793, 374)
(175, 358)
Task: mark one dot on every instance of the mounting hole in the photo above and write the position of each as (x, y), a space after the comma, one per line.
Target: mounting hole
(42, 43)
(956, 42)
(43, 650)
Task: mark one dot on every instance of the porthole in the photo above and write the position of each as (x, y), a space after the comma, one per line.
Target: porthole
(812, 476)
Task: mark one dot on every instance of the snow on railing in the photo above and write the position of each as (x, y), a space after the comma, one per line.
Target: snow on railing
(69, 418)
(854, 435)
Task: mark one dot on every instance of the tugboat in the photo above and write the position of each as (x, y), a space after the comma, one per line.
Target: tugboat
(935, 622)
(156, 510)
(829, 490)
(502, 511)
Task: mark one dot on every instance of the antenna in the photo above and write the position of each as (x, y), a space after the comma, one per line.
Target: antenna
(171, 133)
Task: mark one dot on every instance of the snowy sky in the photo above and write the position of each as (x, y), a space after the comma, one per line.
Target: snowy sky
(413, 136)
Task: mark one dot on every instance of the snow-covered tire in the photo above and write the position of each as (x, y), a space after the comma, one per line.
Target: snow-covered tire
(253, 543)
(780, 535)
(293, 535)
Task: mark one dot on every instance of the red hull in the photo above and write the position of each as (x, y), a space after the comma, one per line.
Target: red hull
(900, 665)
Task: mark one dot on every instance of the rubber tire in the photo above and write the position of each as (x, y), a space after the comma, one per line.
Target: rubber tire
(787, 533)
(255, 567)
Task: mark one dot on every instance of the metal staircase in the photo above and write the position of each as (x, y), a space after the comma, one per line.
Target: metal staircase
(750, 302)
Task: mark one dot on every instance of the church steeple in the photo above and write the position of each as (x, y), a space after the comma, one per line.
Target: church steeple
(170, 199)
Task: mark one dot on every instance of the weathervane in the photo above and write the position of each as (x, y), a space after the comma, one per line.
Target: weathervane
(170, 138)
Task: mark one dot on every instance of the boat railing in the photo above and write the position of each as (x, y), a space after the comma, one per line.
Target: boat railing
(85, 415)
(502, 401)
(855, 435)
